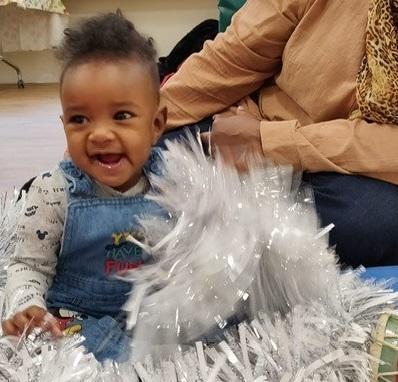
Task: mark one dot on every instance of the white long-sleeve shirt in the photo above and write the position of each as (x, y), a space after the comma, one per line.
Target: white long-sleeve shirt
(39, 237)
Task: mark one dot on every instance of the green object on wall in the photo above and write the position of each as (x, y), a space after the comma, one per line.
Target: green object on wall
(227, 9)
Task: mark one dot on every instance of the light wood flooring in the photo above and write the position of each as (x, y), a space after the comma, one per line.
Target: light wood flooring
(31, 134)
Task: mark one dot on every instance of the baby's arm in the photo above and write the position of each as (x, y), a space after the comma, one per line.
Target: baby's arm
(33, 263)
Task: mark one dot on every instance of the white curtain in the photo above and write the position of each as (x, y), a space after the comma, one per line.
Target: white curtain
(56, 6)
(23, 27)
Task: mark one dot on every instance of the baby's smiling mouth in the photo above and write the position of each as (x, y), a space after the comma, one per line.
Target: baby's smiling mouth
(108, 160)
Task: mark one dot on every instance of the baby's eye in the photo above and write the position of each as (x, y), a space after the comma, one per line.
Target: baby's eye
(78, 119)
(121, 115)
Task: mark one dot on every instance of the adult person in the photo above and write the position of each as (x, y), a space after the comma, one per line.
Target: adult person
(318, 83)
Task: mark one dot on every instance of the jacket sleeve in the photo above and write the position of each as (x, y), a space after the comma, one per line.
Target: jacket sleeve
(38, 237)
(344, 146)
(236, 63)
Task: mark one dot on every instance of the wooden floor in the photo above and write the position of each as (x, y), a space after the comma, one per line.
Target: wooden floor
(31, 134)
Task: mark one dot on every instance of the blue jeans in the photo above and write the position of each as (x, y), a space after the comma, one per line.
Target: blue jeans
(105, 337)
(363, 210)
(365, 214)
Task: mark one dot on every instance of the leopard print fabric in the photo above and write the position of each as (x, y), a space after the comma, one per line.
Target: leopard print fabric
(377, 80)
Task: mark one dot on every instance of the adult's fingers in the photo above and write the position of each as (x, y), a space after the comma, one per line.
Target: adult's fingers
(206, 143)
(205, 137)
(227, 154)
(219, 116)
(242, 111)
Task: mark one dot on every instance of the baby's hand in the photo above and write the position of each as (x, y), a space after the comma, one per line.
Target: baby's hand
(28, 319)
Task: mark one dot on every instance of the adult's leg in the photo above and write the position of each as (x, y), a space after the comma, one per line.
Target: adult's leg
(365, 214)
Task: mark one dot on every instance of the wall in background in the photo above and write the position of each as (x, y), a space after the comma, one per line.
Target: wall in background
(167, 21)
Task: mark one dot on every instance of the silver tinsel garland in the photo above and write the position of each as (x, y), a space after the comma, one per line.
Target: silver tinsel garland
(234, 246)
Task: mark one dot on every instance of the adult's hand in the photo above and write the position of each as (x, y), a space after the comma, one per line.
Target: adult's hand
(236, 138)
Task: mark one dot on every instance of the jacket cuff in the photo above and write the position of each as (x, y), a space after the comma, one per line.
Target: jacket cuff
(278, 140)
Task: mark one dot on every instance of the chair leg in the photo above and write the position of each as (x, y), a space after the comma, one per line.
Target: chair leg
(20, 82)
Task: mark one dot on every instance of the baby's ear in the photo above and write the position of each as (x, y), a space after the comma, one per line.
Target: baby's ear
(159, 123)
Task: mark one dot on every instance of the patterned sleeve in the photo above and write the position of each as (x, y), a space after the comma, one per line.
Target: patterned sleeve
(39, 234)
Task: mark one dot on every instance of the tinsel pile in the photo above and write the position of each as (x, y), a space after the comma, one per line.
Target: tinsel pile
(236, 248)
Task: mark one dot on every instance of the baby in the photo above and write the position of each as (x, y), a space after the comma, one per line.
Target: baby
(71, 237)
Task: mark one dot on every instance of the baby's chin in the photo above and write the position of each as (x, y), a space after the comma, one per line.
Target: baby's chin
(117, 184)
(114, 172)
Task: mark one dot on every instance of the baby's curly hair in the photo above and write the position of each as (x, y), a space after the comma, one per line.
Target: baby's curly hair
(108, 36)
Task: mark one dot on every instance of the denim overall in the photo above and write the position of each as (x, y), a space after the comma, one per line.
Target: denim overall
(93, 251)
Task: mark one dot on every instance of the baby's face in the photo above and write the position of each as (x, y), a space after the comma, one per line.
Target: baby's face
(111, 117)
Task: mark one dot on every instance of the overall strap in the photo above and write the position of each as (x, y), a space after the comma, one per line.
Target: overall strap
(79, 184)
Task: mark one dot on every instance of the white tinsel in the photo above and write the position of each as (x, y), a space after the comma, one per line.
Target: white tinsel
(310, 344)
(248, 246)
(233, 237)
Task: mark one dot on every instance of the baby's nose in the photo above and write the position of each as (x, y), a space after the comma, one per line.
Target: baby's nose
(101, 135)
